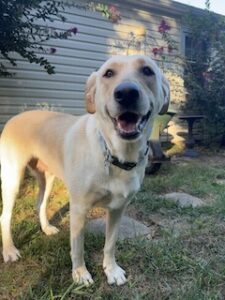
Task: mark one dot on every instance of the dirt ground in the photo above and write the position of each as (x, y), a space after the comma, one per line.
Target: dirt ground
(205, 157)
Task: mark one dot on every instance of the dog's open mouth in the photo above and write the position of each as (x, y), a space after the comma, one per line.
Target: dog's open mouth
(129, 125)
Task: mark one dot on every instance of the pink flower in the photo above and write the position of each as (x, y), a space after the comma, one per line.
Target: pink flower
(52, 50)
(73, 30)
(158, 51)
(115, 14)
(163, 27)
(155, 51)
(112, 9)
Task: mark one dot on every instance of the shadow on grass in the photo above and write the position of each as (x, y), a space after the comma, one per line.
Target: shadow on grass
(59, 214)
(45, 272)
(55, 280)
(28, 229)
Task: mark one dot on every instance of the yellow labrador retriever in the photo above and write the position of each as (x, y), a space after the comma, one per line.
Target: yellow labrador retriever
(101, 156)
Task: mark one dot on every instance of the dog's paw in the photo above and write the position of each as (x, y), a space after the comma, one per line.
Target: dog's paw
(50, 230)
(11, 254)
(82, 276)
(115, 274)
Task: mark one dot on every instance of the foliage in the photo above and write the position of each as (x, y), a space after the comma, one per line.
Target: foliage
(25, 25)
(205, 68)
(21, 32)
(143, 41)
(111, 12)
(164, 29)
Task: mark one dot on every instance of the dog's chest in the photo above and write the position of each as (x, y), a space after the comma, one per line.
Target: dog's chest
(114, 191)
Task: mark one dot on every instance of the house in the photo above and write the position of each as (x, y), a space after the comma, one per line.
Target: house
(96, 40)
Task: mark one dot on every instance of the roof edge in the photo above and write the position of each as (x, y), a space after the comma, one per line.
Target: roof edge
(168, 6)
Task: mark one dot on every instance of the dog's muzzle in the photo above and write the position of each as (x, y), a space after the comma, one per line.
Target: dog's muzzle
(130, 123)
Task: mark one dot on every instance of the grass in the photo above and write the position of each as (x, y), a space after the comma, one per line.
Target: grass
(184, 259)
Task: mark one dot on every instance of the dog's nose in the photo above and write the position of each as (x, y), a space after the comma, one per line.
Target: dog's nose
(126, 93)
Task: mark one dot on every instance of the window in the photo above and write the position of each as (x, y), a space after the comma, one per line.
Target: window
(187, 46)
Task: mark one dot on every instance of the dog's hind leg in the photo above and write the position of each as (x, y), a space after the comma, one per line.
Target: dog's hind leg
(45, 187)
(11, 175)
(45, 182)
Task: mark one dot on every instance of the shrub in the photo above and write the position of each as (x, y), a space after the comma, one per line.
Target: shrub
(21, 32)
(205, 70)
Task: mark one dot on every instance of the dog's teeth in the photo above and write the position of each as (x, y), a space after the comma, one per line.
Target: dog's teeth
(140, 126)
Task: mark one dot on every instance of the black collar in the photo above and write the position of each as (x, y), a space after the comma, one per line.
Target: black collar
(111, 159)
(127, 165)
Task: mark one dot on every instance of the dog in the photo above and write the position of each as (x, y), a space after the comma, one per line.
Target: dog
(101, 156)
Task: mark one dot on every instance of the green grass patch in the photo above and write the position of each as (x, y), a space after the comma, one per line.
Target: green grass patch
(185, 259)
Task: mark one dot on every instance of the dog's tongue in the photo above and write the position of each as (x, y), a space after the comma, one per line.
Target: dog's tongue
(127, 122)
(127, 126)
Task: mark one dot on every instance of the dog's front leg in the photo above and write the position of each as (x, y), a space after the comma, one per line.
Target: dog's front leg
(77, 224)
(114, 273)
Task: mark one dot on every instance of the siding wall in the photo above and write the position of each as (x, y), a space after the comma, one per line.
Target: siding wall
(76, 58)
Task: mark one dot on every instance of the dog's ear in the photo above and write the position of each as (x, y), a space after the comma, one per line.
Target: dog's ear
(90, 93)
(165, 95)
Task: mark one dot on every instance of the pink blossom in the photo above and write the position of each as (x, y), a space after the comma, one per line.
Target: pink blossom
(112, 9)
(155, 51)
(115, 14)
(52, 50)
(163, 27)
(73, 30)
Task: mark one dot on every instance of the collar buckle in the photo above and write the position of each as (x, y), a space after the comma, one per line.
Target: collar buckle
(127, 165)
(110, 159)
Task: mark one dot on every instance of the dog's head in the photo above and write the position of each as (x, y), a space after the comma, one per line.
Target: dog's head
(127, 91)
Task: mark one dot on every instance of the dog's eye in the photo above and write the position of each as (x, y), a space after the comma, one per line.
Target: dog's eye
(109, 73)
(147, 71)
